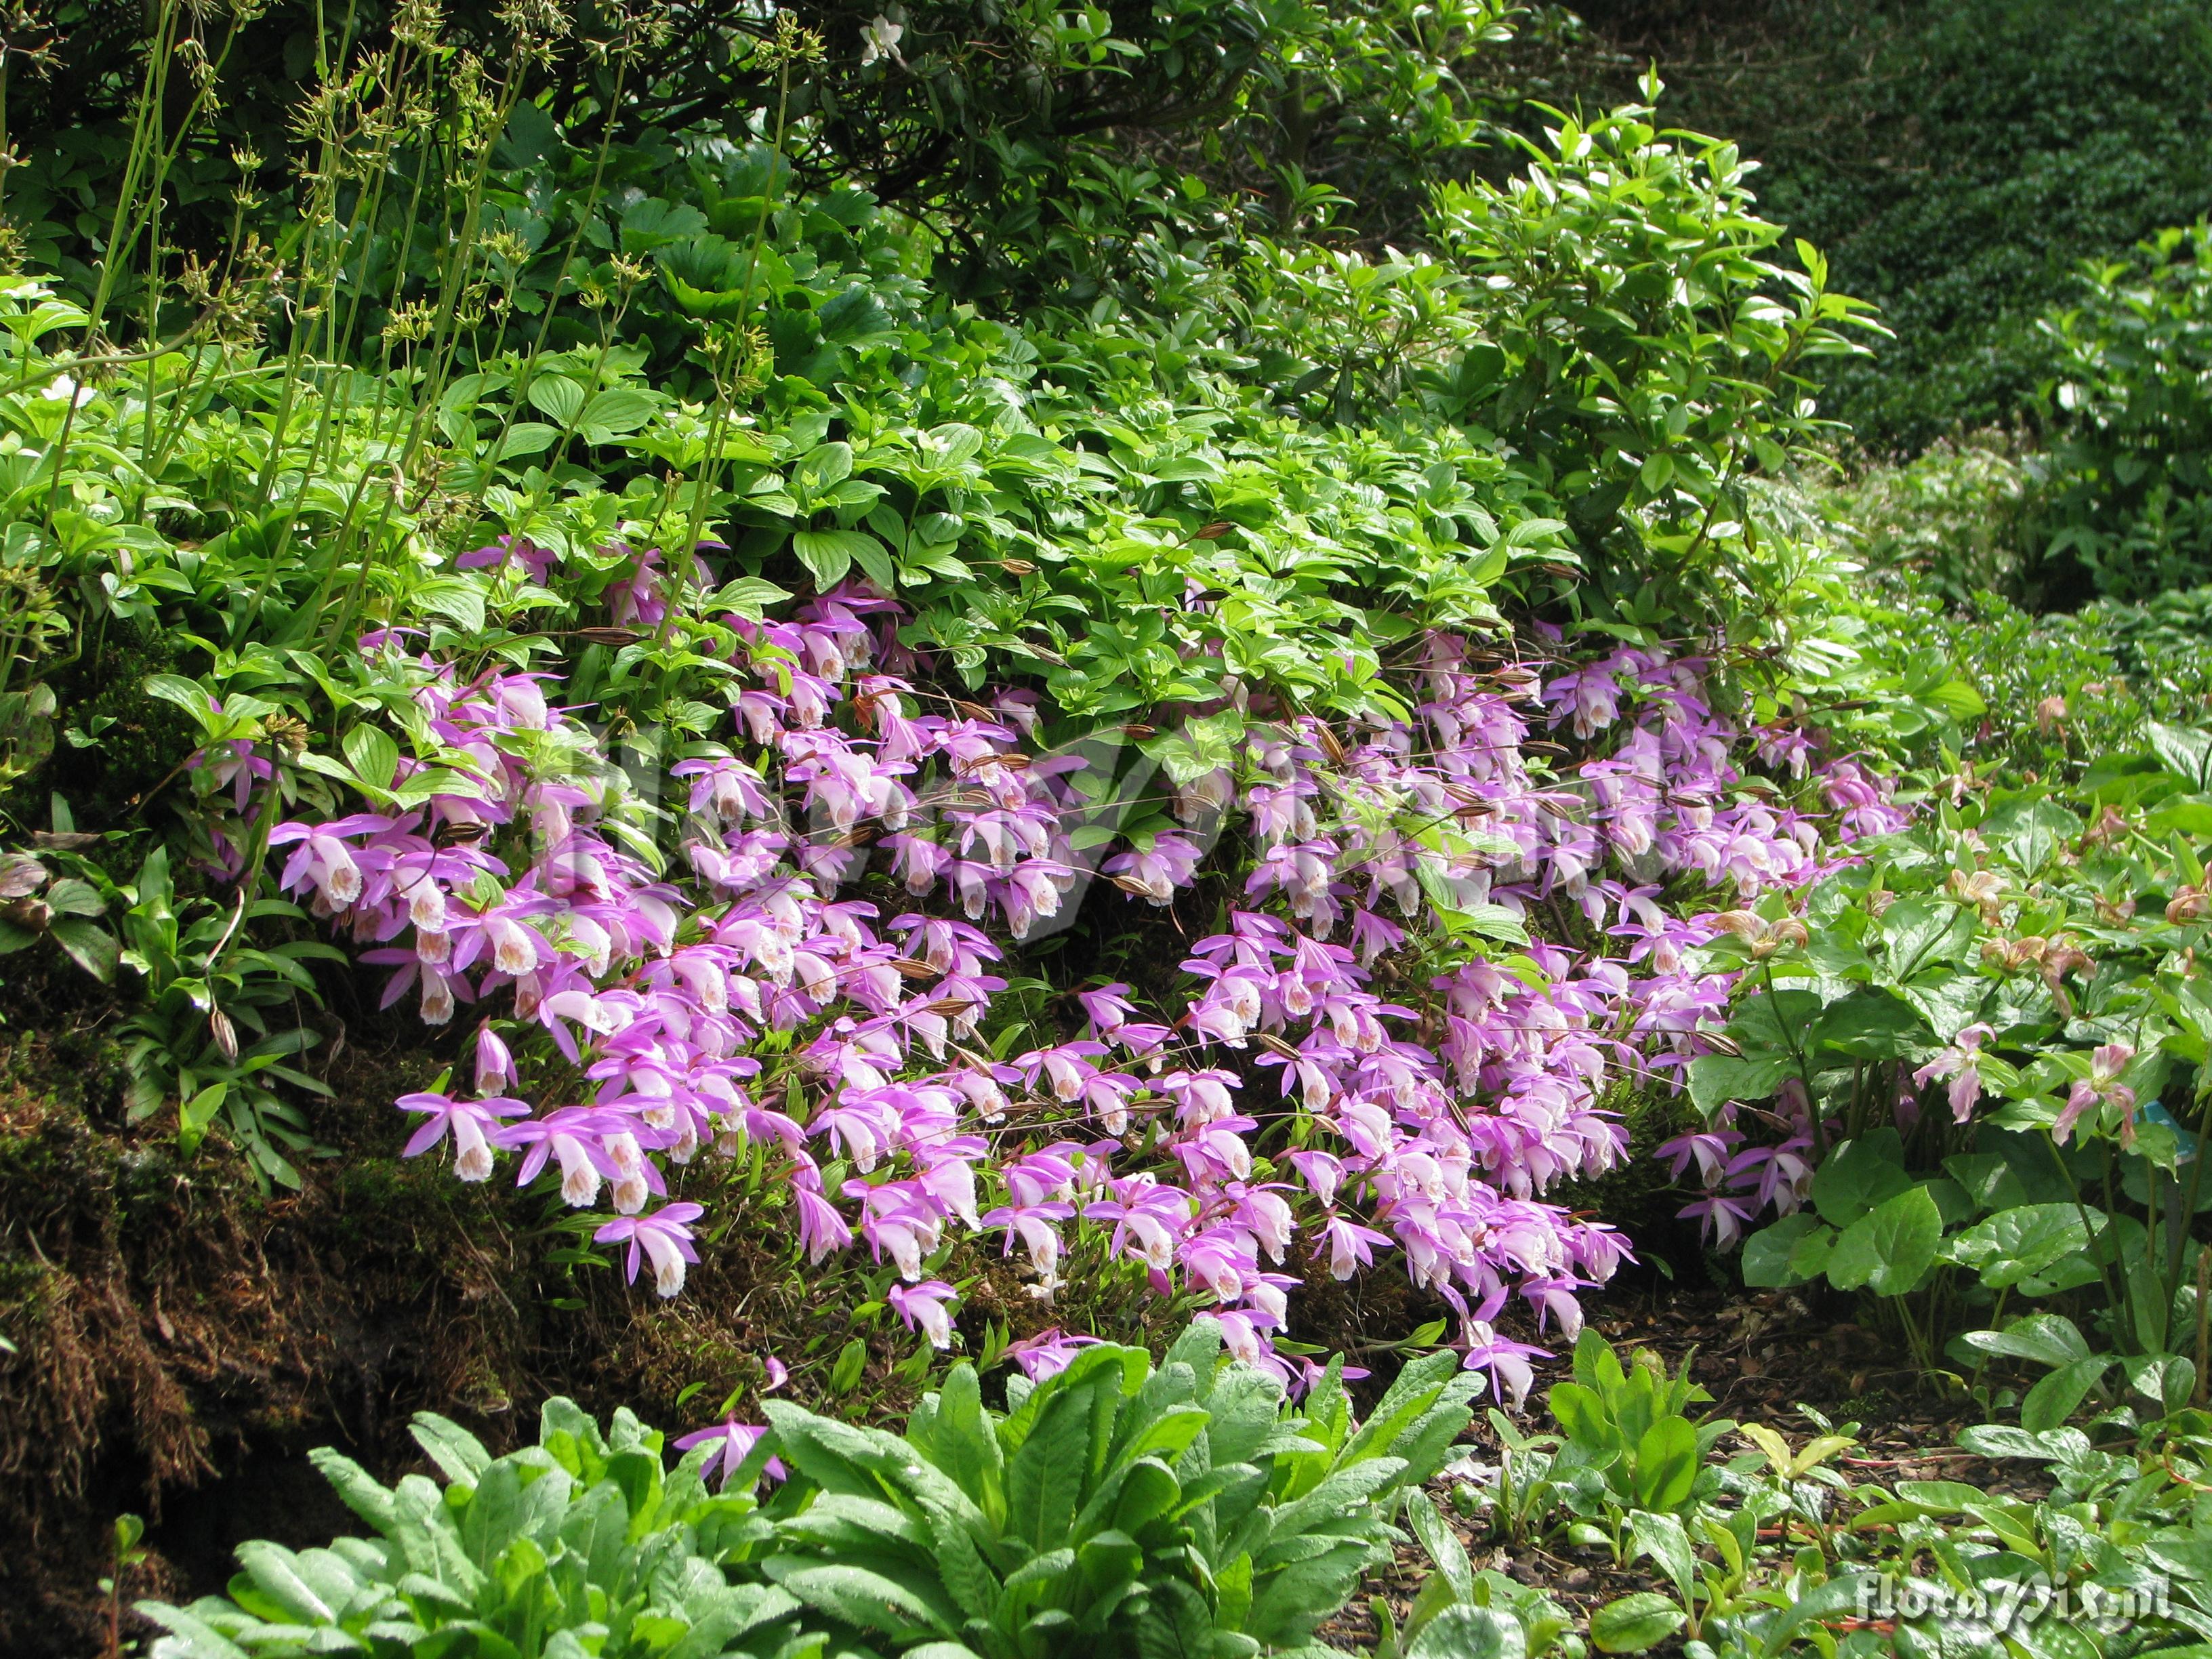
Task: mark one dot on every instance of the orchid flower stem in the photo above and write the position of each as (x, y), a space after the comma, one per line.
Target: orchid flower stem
(1796, 1053)
(2066, 1173)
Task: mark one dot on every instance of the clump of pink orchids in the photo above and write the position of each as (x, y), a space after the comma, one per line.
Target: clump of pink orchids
(809, 977)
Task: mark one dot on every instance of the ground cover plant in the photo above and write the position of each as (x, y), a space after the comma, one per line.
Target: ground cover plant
(1154, 768)
(1188, 1507)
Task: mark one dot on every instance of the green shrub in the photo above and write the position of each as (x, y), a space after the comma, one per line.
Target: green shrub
(1956, 515)
(1956, 159)
(581, 1544)
(1180, 1510)
(2129, 513)
(1136, 1510)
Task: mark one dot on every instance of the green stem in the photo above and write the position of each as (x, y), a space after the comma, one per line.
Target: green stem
(2066, 1173)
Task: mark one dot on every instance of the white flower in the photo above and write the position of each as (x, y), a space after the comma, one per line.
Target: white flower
(62, 390)
(880, 38)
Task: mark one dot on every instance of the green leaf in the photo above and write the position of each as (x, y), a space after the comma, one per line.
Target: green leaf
(869, 1599)
(829, 554)
(1442, 1543)
(823, 466)
(1715, 1079)
(2027, 1239)
(1664, 1538)
(457, 598)
(749, 596)
(1634, 1623)
(1828, 1600)
(375, 754)
(1765, 1261)
(190, 695)
(1044, 1479)
(1922, 930)
(1869, 1025)
(523, 439)
(557, 397)
(2167, 1379)
(2054, 1398)
(1666, 1465)
(459, 1454)
(1858, 1175)
(190, 1636)
(1470, 1632)
(71, 897)
(2048, 1339)
(2184, 751)
(615, 414)
(1889, 1249)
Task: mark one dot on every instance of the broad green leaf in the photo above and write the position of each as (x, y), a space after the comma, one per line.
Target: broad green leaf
(2027, 1239)
(523, 439)
(1666, 1465)
(557, 397)
(2184, 751)
(1890, 1248)
(1858, 1175)
(1767, 1254)
(459, 1454)
(1470, 1632)
(1923, 931)
(2048, 1339)
(459, 599)
(1442, 1543)
(93, 948)
(1868, 1024)
(2055, 1398)
(1663, 1539)
(1715, 1079)
(375, 754)
(2030, 829)
(870, 1600)
(1630, 1624)
(1044, 1479)
(829, 554)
